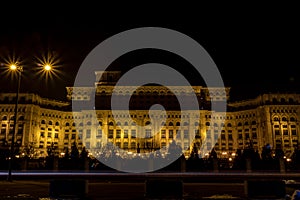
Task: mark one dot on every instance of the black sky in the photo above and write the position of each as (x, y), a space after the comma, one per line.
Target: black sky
(256, 51)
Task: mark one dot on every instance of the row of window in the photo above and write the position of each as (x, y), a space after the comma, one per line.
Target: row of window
(12, 109)
(5, 118)
(284, 119)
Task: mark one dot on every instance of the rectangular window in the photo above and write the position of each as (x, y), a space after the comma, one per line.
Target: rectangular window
(49, 135)
(132, 145)
(118, 133)
(148, 133)
(99, 133)
(163, 133)
(216, 136)
(56, 135)
(88, 133)
(277, 132)
(66, 136)
(125, 133)
(285, 132)
(3, 131)
(110, 133)
(223, 137)
(208, 134)
(87, 145)
(230, 137)
(125, 145)
(170, 133)
(133, 133)
(247, 136)
(73, 136)
(240, 136)
(186, 134)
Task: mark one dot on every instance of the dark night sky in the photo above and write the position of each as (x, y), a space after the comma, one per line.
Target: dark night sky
(256, 51)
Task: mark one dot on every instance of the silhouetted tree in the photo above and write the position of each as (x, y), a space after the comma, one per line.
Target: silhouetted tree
(74, 151)
(84, 153)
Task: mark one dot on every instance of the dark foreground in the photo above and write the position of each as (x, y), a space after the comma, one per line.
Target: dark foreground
(124, 186)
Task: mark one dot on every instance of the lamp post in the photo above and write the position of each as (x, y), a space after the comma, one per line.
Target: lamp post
(19, 70)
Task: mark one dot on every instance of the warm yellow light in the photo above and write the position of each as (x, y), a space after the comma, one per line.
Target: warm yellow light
(47, 67)
(13, 67)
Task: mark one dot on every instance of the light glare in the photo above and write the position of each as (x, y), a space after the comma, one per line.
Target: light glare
(13, 67)
(47, 67)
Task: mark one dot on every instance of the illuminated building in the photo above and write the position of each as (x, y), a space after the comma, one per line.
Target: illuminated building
(268, 119)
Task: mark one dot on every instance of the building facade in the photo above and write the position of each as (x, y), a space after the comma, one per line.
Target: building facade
(43, 123)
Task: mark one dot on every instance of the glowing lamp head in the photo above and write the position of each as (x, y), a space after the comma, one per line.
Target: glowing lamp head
(13, 67)
(47, 67)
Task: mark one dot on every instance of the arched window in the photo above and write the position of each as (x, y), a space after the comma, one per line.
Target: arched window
(215, 125)
(89, 123)
(207, 124)
(147, 123)
(282, 100)
(67, 124)
(196, 123)
(118, 123)
(43, 122)
(56, 124)
(133, 124)
(240, 124)
(4, 118)
(171, 124)
(284, 119)
(125, 123)
(81, 124)
(246, 123)
(177, 123)
(253, 122)
(185, 124)
(73, 124)
(21, 118)
(292, 119)
(50, 122)
(229, 125)
(275, 119)
(100, 123)
(110, 123)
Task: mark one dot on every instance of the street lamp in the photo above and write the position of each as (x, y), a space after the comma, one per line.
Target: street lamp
(18, 70)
